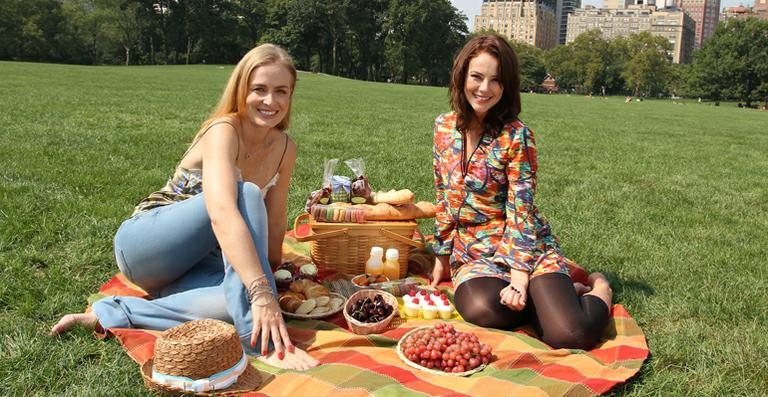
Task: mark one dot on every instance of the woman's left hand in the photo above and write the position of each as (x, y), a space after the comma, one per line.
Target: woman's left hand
(515, 294)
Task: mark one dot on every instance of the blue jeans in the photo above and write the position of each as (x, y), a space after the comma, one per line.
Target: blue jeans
(172, 253)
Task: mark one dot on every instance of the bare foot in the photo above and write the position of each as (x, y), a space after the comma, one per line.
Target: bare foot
(581, 289)
(87, 320)
(601, 288)
(298, 360)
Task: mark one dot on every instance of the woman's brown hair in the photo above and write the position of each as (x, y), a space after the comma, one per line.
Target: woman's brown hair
(508, 107)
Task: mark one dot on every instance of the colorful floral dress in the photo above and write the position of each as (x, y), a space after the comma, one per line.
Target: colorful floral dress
(487, 220)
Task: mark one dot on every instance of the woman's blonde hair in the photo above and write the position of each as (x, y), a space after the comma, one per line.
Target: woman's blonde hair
(232, 102)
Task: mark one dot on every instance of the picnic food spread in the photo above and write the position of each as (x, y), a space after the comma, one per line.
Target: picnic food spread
(344, 206)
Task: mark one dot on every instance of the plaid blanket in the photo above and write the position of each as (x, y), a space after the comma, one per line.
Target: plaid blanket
(355, 365)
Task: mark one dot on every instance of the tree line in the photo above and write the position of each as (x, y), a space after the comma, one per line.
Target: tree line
(409, 41)
(404, 41)
(732, 64)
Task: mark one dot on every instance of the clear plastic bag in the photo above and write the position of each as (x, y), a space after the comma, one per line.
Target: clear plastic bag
(322, 195)
(360, 190)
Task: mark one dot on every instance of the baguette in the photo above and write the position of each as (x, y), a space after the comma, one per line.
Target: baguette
(395, 197)
(388, 212)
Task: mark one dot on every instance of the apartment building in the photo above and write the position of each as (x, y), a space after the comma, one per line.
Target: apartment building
(761, 9)
(705, 13)
(677, 27)
(738, 12)
(672, 24)
(612, 22)
(563, 9)
(528, 21)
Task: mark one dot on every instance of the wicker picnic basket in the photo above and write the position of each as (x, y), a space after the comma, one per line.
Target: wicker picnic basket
(361, 328)
(345, 247)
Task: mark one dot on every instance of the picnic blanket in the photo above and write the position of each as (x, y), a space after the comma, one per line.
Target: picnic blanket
(355, 365)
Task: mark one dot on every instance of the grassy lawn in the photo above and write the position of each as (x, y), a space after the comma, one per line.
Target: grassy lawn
(667, 199)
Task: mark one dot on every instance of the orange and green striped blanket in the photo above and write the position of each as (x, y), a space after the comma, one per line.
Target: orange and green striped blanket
(355, 365)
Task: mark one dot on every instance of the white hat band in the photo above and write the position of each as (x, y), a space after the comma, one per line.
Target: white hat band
(218, 381)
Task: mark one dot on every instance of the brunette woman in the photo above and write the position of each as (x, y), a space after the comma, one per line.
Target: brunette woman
(500, 252)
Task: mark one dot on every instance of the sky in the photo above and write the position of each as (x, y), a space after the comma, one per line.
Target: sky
(470, 8)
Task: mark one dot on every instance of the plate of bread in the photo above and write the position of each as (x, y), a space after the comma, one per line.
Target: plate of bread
(306, 299)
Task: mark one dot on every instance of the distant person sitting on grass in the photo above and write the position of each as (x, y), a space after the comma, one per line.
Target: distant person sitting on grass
(504, 261)
(203, 244)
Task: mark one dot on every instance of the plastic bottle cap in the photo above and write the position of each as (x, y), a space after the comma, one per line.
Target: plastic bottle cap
(392, 253)
(377, 251)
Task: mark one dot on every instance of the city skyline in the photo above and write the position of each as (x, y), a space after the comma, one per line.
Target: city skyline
(470, 8)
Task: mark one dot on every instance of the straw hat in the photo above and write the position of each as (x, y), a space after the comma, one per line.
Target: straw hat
(200, 357)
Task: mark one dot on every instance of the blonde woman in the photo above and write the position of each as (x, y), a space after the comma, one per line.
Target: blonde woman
(202, 245)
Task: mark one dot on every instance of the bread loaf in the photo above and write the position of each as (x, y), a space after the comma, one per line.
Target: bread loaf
(388, 212)
(290, 301)
(396, 197)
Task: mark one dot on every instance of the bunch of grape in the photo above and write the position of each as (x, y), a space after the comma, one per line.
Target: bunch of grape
(369, 310)
(444, 348)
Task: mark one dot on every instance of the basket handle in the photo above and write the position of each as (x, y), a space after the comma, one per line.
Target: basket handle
(304, 218)
(406, 240)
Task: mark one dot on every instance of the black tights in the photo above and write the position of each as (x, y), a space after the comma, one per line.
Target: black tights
(561, 318)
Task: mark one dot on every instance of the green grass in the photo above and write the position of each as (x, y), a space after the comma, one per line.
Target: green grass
(668, 200)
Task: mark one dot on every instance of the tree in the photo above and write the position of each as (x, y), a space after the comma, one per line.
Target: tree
(586, 64)
(733, 63)
(127, 26)
(365, 39)
(532, 70)
(560, 64)
(422, 37)
(648, 64)
(253, 17)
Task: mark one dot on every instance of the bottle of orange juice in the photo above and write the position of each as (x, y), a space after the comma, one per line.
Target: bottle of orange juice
(391, 265)
(375, 265)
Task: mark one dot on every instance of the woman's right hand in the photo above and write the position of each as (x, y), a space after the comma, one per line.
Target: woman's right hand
(268, 323)
(441, 271)
(515, 294)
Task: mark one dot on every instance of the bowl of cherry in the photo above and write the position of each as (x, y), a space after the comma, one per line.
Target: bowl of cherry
(369, 311)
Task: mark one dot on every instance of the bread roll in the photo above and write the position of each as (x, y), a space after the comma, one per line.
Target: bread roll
(397, 197)
(319, 310)
(315, 291)
(323, 300)
(335, 303)
(306, 306)
(300, 285)
(290, 301)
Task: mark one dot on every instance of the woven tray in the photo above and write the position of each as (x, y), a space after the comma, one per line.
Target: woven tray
(410, 363)
(317, 316)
